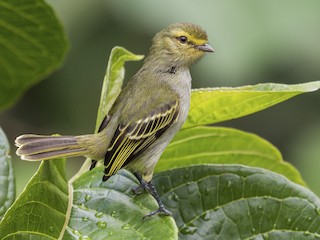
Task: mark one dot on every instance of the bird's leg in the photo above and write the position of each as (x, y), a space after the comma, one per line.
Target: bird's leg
(162, 209)
(149, 187)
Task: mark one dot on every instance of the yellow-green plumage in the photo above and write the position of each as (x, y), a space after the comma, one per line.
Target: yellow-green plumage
(146, 115)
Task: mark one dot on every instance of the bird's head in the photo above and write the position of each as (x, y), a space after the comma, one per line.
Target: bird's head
(180, 44)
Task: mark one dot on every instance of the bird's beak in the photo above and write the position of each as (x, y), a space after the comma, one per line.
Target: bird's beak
(205, 47)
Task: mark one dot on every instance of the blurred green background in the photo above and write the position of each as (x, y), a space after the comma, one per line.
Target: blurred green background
(255, 42)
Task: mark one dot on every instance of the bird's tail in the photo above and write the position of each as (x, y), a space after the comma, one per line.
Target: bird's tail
(38, 147)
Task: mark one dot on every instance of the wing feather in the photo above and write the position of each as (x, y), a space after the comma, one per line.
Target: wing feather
(131, 139)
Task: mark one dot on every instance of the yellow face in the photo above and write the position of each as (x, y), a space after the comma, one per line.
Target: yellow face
(188, 45)
(191, 39)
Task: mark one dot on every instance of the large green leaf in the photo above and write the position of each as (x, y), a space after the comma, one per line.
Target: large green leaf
(113, 80)
(214, 105)
(107, 210)
(40, 210)
(32, 45)
(7, 183)
(202, 145)
(238, 202)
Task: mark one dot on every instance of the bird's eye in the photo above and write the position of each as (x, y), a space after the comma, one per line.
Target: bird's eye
(183, 39)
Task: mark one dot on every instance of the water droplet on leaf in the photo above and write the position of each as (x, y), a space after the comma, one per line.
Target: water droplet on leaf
(306, 234)
(99, 215)
(101, 224)
(87, 197)
(85, 238)
(126, 227)
(190, 188)
(85, 219)
(83, 207)
(205, 216)
(207, 191)
(188, 230)
(75, 232)
(174, 197)
(51, 229)
(289, 221)
(113, 213)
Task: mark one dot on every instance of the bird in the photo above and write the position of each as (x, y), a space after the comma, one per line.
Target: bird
(144, 118)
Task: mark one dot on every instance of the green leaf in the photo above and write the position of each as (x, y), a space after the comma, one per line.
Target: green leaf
(7, 183)
(238, 202)
(214, 105)
(40, 210)
(32, 45)
(107, 210)
(113, 80)
(202, 145)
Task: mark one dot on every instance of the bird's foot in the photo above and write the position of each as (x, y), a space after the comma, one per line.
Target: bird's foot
(161, 211)
(136, 190)
(148, 187)
(143, 186)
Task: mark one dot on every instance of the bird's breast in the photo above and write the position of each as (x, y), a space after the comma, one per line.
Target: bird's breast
(180, 83)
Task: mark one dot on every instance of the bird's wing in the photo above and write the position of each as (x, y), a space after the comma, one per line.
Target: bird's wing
(131, 139)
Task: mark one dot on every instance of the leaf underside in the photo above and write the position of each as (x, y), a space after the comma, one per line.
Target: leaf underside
(238, 202)
(32, 45)
(108, 210)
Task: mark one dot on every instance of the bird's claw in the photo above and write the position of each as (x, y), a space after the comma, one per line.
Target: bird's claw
(160, 211)
(148, 187)
(137, 190)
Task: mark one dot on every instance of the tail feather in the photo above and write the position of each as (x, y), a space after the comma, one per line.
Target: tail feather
(28, 138)
(37, 147)
(54, 154)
